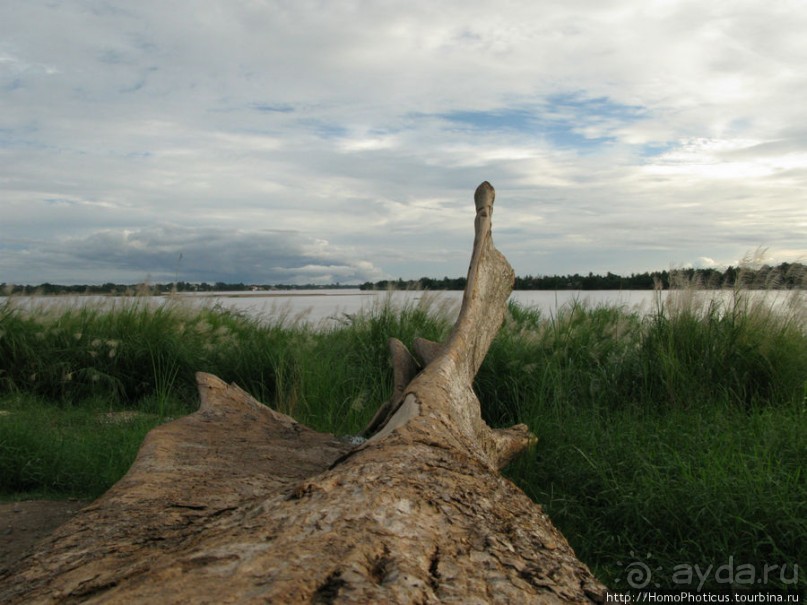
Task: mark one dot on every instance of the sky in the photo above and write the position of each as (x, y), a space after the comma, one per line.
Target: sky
(304, 141)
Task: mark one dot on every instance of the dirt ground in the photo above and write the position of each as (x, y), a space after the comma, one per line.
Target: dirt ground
(23, 524)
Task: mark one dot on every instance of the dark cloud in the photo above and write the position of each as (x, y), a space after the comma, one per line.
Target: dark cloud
(165, 253)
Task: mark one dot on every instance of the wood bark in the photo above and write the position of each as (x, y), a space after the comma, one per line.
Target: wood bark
(237, 503)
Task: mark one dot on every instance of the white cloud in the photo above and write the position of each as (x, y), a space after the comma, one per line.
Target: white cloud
(620, 136)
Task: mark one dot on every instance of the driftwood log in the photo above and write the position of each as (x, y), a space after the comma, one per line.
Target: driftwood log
(237, 503)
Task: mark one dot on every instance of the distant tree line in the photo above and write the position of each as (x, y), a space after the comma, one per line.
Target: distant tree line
(784, 276)
(155, 289)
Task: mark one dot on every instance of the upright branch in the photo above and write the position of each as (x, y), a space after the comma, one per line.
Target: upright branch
(442, 392)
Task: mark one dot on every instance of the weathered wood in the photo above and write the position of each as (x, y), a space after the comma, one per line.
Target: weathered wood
(238, 503)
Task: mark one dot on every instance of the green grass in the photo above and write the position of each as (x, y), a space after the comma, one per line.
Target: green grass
(77, 451)
(674, 439)
(672, 488)
(671, 439)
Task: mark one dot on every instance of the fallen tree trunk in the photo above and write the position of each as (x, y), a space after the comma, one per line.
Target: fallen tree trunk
(238, 503)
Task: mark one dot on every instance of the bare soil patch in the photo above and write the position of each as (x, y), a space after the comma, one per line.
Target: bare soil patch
(23, 524)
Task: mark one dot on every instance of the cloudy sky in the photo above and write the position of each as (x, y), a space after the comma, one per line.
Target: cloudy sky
(297, 141)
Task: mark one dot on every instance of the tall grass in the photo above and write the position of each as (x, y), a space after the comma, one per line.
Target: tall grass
(671, 438)
(135, 350)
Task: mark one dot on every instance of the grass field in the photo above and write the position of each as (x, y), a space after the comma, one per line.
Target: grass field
(666, 441)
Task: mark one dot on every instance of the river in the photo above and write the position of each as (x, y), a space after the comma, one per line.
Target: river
(332, 305)
(329, 305)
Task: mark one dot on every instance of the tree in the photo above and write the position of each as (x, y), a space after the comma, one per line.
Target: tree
(239, 503)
